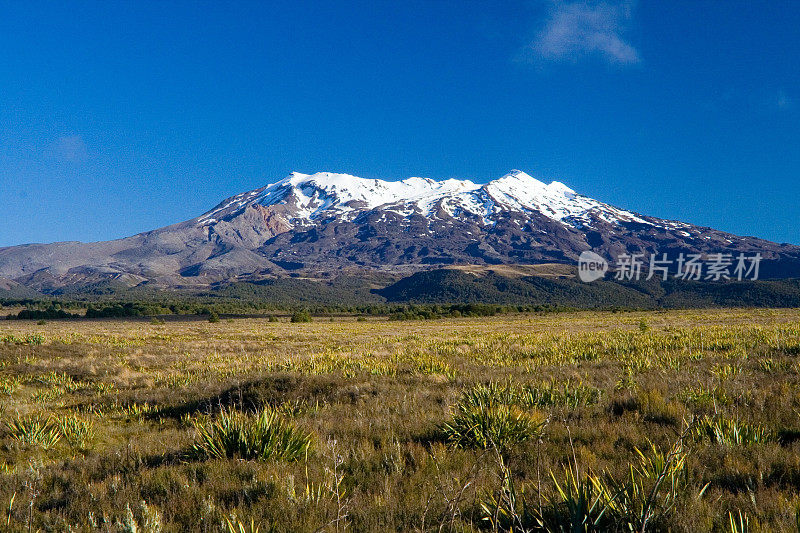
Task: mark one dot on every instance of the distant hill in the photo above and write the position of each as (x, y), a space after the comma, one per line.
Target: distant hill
(12, 290)
(454, 286)
(550, 286)
(325, 225)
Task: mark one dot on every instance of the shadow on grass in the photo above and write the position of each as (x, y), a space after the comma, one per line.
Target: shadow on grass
(252, 395)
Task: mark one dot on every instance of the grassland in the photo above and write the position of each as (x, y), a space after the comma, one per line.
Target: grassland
(678, 420)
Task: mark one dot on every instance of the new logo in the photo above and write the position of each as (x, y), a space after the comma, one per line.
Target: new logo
(591, 266)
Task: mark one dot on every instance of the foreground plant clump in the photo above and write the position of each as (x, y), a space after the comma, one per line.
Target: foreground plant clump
(486, 417)
(263, 436)
(650, 421)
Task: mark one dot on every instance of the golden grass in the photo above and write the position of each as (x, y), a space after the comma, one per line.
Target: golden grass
(374, 395)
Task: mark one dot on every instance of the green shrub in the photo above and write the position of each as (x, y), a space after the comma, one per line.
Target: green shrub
(485, 418)
(577, 504)
(9, 385)
(738, 523)
(641, 501)
(545, 395)
(39, 314)
(78, 432)
(301, 316)
(118, 310)
(263, 436)
(651, 489)
(31, 339)
(34, 430)
(237, 526)
(568, 395)
(731, 432)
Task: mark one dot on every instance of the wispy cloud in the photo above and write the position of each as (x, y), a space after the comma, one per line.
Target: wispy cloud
(70, 148)
(575, 30)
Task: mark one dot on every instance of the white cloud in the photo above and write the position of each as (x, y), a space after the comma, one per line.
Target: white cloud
(575, 30)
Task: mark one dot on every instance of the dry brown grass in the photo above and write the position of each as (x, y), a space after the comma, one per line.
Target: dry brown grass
(374, 395)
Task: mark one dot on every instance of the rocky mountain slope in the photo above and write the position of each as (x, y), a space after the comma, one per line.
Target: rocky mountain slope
(324, 224)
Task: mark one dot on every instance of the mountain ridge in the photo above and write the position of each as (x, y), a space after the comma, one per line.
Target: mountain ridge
(344, 193)
(327, 223)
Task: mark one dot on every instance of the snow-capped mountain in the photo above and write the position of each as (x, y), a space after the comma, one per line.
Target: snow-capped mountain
(326, 223)
(310, 198)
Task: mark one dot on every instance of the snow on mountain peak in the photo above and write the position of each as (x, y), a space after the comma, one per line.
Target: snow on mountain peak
(521, 177)
(309, 197)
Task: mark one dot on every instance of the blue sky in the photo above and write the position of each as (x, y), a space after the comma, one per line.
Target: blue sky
(119, 117)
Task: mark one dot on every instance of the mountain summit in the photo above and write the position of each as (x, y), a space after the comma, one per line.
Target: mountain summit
(325, 223)
(306, 199)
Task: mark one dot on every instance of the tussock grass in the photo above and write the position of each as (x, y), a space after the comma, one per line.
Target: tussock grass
(237, 526)
(487, 417)
(28, 339)
(732, 432)
(33, 430)
(641, 500)
(263, 436)
(385, 392)
(9, 385)
(77, 431)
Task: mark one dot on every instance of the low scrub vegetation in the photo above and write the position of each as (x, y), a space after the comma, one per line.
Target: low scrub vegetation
(76, 430)
(582, 421)
(484, 418)
(300, 316)
(732, 432)
(34, 430)
(263, 436)
(28, 339)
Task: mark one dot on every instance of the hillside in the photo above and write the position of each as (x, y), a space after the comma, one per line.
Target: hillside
(327, 225)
